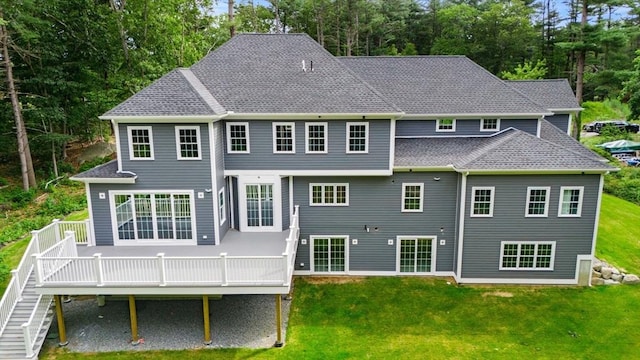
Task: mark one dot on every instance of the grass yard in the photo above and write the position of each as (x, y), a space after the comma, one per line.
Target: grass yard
(619, 233)
(426, 318)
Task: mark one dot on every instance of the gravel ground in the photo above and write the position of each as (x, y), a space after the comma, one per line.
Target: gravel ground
(237, 321)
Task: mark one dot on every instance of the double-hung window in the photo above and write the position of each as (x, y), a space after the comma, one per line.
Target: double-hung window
(537, 201)
(222, 209)
(284, 138)
(446, 125)
(570, 201)
(328, 194)
(188, 142)
(482, 201)
(489, 124)
(316, 138)
(412, 195)
(527, 255)
(140, 142)
(357, 137)
(238, 138)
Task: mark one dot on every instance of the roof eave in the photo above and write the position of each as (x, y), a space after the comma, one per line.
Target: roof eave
(326, 116)
(474, 115)
(162, 118)
(423, 168)
(534, 171)
(96, 180)
(566, 109)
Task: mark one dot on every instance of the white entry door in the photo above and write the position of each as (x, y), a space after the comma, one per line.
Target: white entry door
(260, 204)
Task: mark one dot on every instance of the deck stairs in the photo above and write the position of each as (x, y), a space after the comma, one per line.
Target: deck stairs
(12, 341)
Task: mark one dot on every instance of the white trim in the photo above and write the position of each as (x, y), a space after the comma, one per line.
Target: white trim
(546, 202)
(231, 203)
(162, 119)
(314, 116)
(535, 255)
(247, 136)
(561, 198)
(130, 138)
(222, 208)
(482, 129)
(214, 180)
(274, 126)
(473, 200)
(87, 189)
(580, 258)
(472, 115)
(179, 144)
(116, 132)
(536, 171)
(569, 124)
(366, 137)
(165, 290)
(434, 247)
(516, 281)
(377, 273)
(597, 220)
(335, 194)
(462, 214)
(277, 202)
(306, 137)
(539, 126)
(404, 194)
(155, 241)
(129, 180)
(383, 172)
(291, 206)
(346, 253)
(559, 110)
(453, 125)
(392, 143)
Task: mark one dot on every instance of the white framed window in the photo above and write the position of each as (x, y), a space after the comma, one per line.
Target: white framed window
(527, 255)
(357, 137)
(284, 138)
(329, 194)
(482, 201)
(570, 201)
(329, 253)
(537, 201)
(316, 139)
(445, 125)
(489, 124)
(415, 254)
(140, 142)
(222, 208)
(238, 138)
(188, 142)
(412, 195)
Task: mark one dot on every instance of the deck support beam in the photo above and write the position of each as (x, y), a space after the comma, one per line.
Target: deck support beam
(62, 332)
(279, 342)
(135, 339)
(205, 315)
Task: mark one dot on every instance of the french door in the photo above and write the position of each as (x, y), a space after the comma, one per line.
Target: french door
(259, 205)
(329, 254)
(416, 255)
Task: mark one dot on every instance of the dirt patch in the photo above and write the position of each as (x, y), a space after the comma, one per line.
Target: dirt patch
(502, 294)
(333, 279)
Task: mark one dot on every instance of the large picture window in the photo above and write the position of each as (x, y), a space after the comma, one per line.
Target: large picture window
(527, 255)
(329, 194)
(329, 254)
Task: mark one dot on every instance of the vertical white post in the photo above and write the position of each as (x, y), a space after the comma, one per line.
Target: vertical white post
(37, 268)
(88, 233)
(17, 284)
(98, 267)
(34, 240)
(224, 269)
(56, 227)
(70, 244)
(27, 340)
(163, 270)
(285, 258)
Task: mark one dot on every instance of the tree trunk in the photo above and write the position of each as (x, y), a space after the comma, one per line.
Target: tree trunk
(232, 27)
(580, 65)
(24, 152)
(119, 8)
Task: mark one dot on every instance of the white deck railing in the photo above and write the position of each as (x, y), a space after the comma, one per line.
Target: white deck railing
(61, 266)
(31, 329)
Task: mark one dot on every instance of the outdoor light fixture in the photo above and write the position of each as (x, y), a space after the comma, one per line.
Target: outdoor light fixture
(366, 228)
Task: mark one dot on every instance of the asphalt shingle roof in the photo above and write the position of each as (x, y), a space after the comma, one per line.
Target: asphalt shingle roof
(510, 149)
(263, 73)
(551, 93)
(441, 85)
(551, 133)
(171, 95)
(105, 171)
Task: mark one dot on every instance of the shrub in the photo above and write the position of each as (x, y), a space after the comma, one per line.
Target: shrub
(93, 163)
(624, 184)
(3, 182)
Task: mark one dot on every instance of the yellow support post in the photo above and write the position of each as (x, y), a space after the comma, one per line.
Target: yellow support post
(279, 342)
(135, 340)
(62, 332)
(205, 314)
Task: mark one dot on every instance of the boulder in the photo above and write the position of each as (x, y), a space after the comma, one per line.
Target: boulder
(606, 272)
(616, 277)
(595, 273)
(597, 265)
(631, 279)
(611, 282)
(597, 281)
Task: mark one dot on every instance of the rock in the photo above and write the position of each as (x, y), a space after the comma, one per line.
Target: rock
(615, 271)
(631, 279)
(597, 281)
(595, 273)
(611, 282)
(616, 277)
(606, 272)
(597, 265)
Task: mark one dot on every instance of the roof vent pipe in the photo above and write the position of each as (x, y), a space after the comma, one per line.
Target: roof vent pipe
(311, 65)
(304, 67)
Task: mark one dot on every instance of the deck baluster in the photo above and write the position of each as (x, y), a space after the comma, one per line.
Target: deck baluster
(225, 281)
(99, 273)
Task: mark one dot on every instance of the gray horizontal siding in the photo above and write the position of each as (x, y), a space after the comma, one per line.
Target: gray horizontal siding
(376, 202)
(263, 158)
(464, 127)
(561, 121)
(482, 236)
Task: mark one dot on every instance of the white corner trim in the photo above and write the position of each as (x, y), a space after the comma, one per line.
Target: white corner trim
(463, 214)
(214, 182)
(116, 132)
(392, 143)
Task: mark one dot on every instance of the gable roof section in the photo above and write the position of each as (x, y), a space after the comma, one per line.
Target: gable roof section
(554, 94)
(263, 74)
(510, 150)
(106, 173)
(441, 85)
(171, 95)
(553, 134)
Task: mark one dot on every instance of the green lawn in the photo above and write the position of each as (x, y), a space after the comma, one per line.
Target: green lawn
(425, 318)
(619, 233)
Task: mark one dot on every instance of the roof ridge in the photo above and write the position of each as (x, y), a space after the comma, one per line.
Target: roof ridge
(554, 128)
(202, 91)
